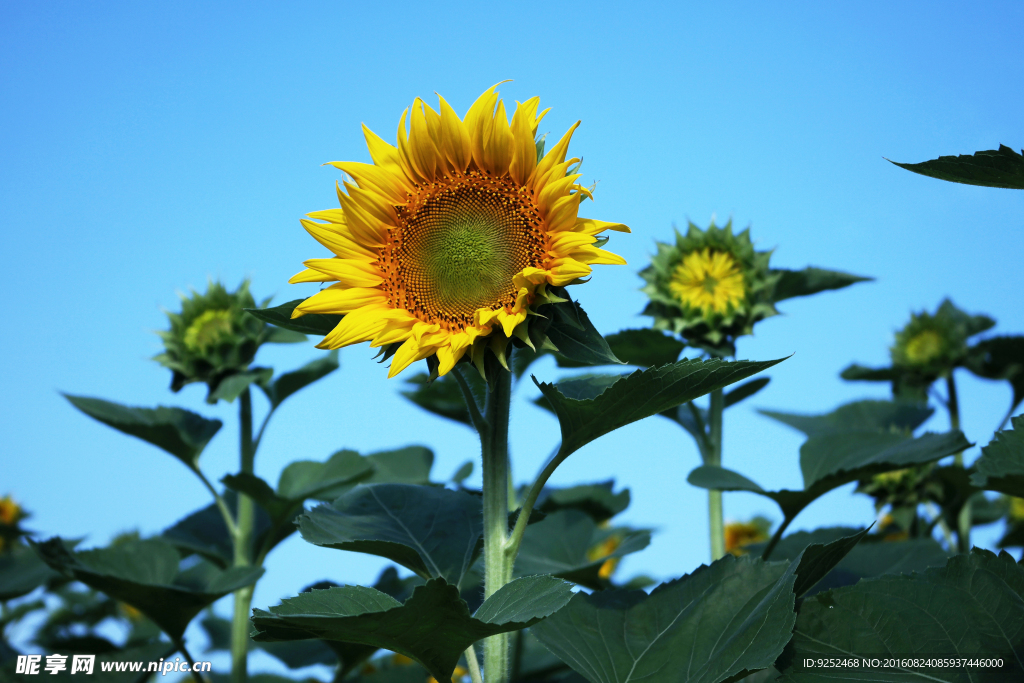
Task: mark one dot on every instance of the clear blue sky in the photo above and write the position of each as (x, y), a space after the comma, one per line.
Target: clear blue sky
(149, 146)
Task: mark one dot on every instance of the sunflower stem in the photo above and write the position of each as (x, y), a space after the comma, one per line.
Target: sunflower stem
(245, 517)
(716, 524)
(497, 568)
(473, 665)
(963, 520)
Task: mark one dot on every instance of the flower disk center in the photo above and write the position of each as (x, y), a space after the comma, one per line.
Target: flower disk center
(710, 281)
(459, 247)
(924, 347)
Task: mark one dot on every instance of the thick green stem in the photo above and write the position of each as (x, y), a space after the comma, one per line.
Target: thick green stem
(716, 522)
(473, 665)
(497, 570)
(963, 521)
(245, 517)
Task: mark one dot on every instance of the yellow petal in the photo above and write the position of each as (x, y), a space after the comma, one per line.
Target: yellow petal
(510, 320)
(498, 145)
(595, 256)
(391, 185)
(348, 272)
(561, 215)
(557, 153)
(457, 147)
(365, 228)
(421, 151)
(309, 275)
(568, 271)
(340, 299)
(384, 156)
(524, 148)
(407, 354)
(398, 328)
(358, 326)
(594, 227)
(339, 240)
(478, 119)
(373, 204)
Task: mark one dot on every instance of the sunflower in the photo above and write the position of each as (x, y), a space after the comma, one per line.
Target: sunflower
(710, 286)
(447, 241)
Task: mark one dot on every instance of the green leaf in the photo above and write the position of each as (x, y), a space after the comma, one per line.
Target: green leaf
(568, 544)
(746, 390)
(300, 481)
(279, 335)
(443, 396)
(793, 283)
(288, 383)
(1000, 358)
(870, 558)
(1001, 465)
(860, 373)
(645, 347)
(884, 415)
(463, 473)
(641, 394)
(972, 607)
(203, 532)
(597, 500)
(144, 574)
(180, 432)
(317, 324)
(232, 386)
(991, 168)
(832, 460)
(433, 627)
(410, 465)
(575, 337)
(713, 624)
(817, 560)
(21, 572)
(435, 532)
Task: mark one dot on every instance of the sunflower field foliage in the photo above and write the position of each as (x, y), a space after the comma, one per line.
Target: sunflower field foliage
(462, 248)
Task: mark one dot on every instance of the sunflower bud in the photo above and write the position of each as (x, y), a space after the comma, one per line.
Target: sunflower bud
(710, 287)
(212, 338)
(932, 345)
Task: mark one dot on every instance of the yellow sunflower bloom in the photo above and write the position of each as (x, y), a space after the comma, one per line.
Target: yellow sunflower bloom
(445, 241)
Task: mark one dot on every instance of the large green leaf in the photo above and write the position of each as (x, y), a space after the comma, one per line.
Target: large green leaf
(317, 324)
(1001, 465)
(881, 415)
(21, 572)
(299, 482)
(1000, 358)
(860, 373)
(574, 337)
(717, 622)
(180, 432)
(811, 280)
(435, 532)
(831, 460)
(144, 574)
(288, 383)
(570, 545)
(597, 500)
(644, 347)
(638, 395)
(203, 532)
(433, 627)
(409, 465)
(971, 608)
(870, 558)
(991, 168)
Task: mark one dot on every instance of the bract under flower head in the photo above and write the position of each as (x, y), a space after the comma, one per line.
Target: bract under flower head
(932, 345)
(710, 287)
(446, 243)
(213, 337)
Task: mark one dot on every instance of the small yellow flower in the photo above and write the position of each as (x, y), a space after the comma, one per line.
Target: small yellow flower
(457, 675)
(738, 535)
(1016, 509)
(10, 511)
(604, 549)
(709, 280)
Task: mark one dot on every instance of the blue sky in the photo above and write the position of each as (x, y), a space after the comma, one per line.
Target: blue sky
(148, 147)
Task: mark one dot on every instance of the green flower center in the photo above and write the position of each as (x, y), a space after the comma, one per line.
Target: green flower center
(209, 329)
(458, 251)
(924, 347)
